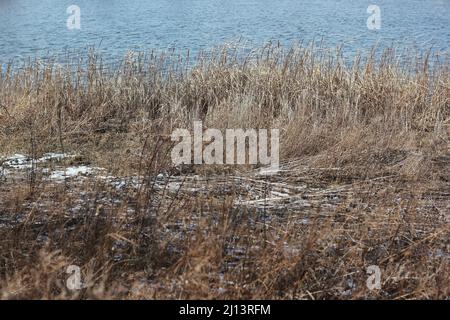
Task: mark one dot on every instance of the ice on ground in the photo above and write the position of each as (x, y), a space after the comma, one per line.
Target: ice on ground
(71, 172)
(51, 156)
(16, 161)
(269, 171)
(21, 162)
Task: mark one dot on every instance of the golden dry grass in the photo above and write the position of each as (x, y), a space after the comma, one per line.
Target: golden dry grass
(365, 156)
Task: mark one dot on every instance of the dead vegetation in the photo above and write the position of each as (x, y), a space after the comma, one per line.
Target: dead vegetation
(364, 181)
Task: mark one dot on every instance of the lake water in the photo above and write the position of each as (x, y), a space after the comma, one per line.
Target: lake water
(38, 28)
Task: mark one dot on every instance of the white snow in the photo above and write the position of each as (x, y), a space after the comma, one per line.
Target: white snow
(54, 157)
(71, 172)
(269, 171)
(21, 162)
(16, 161)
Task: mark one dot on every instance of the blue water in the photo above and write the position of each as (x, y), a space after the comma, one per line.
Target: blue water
(30, 28)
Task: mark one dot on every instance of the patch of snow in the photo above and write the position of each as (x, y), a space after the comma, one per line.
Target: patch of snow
(71, 172)
(21, 162)
(16, 161)
(174, 186)
(268, 171)
(51, 156)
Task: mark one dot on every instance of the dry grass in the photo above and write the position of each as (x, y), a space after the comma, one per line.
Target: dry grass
(365, 157)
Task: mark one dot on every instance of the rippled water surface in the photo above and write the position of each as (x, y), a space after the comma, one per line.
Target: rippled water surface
(36, 28)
